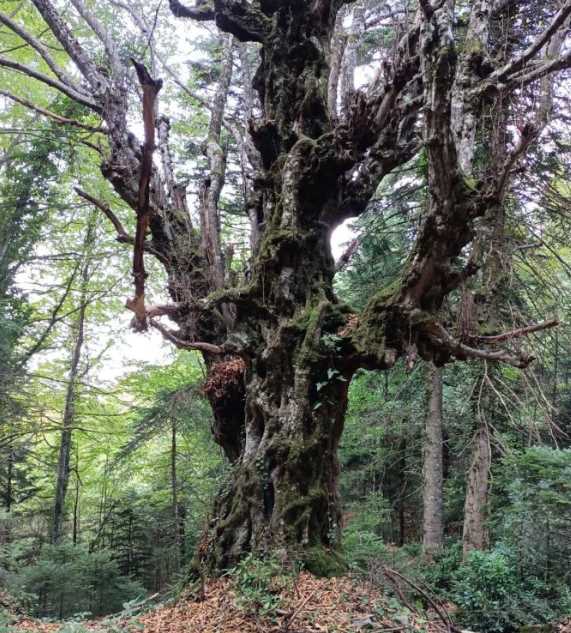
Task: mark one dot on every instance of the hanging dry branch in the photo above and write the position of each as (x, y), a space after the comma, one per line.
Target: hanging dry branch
(151, 88)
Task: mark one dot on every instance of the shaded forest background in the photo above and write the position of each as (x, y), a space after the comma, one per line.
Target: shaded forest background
(485, 522)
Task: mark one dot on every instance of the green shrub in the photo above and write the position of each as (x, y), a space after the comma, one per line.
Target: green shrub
(536, 520)
(68, 579)
(492, 597)
(440, 573)
(259, 584)
(485, 589)
(6, 621)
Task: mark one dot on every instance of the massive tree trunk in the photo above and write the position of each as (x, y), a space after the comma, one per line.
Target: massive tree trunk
(280, 349)
(433, 519)
(283, 493)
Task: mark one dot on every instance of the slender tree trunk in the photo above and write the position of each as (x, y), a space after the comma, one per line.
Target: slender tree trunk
(350, 61)
(338, 47)
(63, 467)
(8, 497)
(433, 520)
(76, 499)
(403, 485)
(475, 533)
(214, 181)
(66, 434)
(176, 518)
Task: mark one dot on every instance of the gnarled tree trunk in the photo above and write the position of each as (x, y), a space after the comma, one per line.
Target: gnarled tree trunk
(280, 349)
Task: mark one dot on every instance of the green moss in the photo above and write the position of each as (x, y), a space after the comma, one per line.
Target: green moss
(310, 342)
(471, 183)
(324, 562)
(473, 46)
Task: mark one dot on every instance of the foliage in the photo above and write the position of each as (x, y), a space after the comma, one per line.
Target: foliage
(259, 583)
(68, 579)
(492, 596)
(536, 521)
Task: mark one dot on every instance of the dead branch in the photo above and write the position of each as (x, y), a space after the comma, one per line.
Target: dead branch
(122, 236)
(461, 350)
(442, 613)
(498, 338)
(151, 88)
(208, 348)
(52, 115)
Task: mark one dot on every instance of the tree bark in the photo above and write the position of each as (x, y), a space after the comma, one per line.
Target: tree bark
(475, 532)
(433, 519)
(214, 180)
(278, 370)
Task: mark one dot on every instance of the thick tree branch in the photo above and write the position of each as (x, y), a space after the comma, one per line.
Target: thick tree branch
(72, 47)
(245, 20)
(545, 69)
(101, 33)
(447, 343)
(518, 64)
(203, 11)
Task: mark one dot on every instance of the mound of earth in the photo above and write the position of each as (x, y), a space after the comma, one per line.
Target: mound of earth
(309, 605)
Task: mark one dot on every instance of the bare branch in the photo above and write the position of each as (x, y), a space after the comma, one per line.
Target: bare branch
(50, 81)
(542, 71)
(462, 351)
(40, 48)
(524, 331)
(122, 236)
(517, 64)
(208, 348)
(51, 115)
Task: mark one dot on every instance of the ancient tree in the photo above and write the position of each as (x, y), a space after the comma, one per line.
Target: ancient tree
(279, 345)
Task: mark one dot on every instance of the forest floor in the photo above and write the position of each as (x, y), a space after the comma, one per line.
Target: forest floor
(309, 605)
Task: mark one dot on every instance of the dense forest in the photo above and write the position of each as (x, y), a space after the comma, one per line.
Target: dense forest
(285, 290)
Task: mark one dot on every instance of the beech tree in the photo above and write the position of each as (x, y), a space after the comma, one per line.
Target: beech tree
(279, 346)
